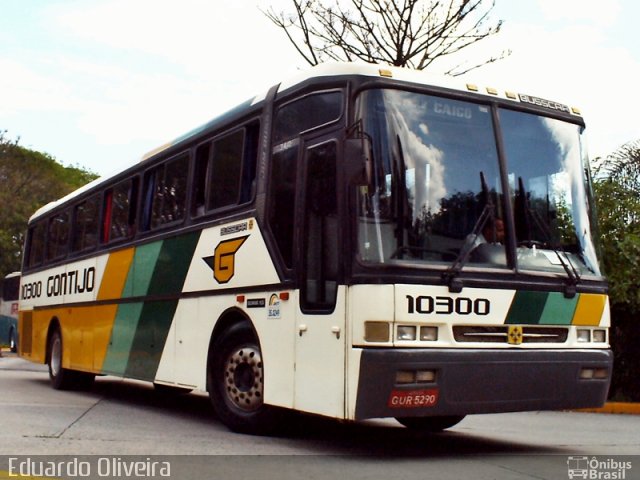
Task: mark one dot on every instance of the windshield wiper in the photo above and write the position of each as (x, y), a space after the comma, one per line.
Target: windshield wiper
(572, 273)
(450, 275)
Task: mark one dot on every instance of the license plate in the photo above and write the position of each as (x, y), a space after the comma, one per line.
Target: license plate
(413, 398)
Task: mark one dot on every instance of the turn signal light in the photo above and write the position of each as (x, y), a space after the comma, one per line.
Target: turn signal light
(597, 373)
(376, 332)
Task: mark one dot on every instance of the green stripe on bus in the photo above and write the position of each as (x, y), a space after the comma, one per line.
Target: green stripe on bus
(559, 310)
(173, 264)
(170, 271)
(122, 334)
(149, 339)
(526, 308)
(142, 268)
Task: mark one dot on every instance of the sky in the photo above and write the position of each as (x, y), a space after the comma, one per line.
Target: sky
(98, 83)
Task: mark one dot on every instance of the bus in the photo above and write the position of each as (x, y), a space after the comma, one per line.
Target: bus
(9, 311)
(356, 242)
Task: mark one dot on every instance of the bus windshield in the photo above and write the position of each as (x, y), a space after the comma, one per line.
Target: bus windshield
(436, 193)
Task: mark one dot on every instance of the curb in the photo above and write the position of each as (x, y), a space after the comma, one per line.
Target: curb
(615, 407)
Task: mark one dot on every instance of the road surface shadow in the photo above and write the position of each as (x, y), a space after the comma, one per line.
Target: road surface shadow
(322, 435)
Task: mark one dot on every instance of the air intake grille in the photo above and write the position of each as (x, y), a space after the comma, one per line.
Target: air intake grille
(499, 334)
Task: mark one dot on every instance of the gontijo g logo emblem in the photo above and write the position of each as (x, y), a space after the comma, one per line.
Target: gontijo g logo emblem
(223, 261)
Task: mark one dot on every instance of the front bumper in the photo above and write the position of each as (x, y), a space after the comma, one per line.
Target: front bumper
(479, 381)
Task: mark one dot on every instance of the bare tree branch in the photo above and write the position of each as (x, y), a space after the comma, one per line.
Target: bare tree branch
(412, 33)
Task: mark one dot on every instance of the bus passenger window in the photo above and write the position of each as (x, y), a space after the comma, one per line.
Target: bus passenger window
(35, 245)
(120, 211)
(225, 170)
(165, 195)
(85, 227)
(58, 236)
(282, 200)
(200, 180)
(226, 167)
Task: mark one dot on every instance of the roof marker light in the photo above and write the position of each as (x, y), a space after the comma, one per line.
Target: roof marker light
(471, 87)
(492, 91)
(511, 95)
(385, 73)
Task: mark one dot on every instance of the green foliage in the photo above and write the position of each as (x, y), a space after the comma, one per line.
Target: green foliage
(28, 180)
(617, 190)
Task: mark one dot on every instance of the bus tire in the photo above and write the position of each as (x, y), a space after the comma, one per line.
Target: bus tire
(430, 424)
(13, 342)
(63, 378)
(235, 381)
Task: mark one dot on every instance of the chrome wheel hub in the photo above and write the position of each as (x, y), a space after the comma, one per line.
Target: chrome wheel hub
(243, 378)
(56, 356)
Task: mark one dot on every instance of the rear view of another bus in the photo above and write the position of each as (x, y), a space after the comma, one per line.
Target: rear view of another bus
(9, 311)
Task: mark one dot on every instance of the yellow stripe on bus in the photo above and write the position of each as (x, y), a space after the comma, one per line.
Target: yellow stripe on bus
(115, 274)
(590, 309)
(85, 334)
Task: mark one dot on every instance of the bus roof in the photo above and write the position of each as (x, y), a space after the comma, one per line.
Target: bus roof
(331, 69)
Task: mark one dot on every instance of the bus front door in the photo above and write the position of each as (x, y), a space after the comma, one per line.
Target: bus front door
(320, 318)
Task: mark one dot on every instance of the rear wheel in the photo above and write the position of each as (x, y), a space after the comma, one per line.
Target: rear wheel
(430, 424)
(13, 343)
(62, 378)
(236, 381)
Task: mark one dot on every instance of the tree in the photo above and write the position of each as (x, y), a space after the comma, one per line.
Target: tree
(617, 190)
(28, 180)
(411, 33)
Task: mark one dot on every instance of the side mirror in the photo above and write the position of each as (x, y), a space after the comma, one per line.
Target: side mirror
(357, 155)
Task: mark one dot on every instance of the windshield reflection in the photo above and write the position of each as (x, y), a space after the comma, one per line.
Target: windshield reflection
(436, 192)
(547, 180)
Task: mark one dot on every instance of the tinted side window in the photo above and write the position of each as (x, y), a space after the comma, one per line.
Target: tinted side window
(203, 153)
(35, 244)
(11, 289)
(120, 211)
(58, 236)
(165, 193)
(282, 200)
(85, 229)
(226, 168)
(307, 113)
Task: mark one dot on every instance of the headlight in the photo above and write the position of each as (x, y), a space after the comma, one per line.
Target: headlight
(406, 332)
(584, 336)
(428, 334)
(600, 336)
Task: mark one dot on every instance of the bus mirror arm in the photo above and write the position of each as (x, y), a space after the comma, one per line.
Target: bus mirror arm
(358, 161)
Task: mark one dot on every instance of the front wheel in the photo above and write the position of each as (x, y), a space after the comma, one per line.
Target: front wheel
(430, 424)
(236, 382)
